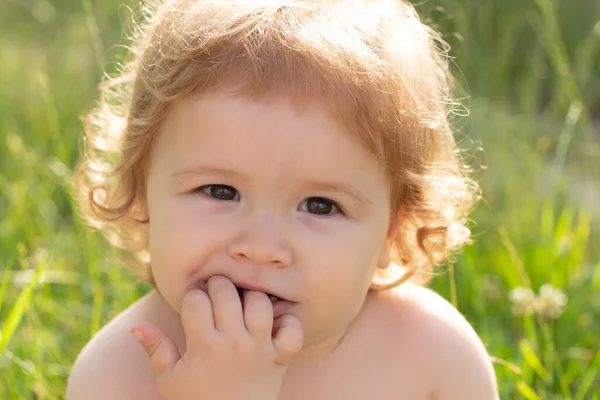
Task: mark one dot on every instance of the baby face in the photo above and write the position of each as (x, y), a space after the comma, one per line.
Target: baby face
(274, 197)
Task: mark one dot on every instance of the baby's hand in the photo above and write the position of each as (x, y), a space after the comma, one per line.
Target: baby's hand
(231, 353)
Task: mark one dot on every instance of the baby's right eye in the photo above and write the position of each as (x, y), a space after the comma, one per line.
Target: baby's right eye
(220, 192)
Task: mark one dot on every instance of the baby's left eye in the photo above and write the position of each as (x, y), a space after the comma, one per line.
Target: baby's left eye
(220, 192)
(319, 206)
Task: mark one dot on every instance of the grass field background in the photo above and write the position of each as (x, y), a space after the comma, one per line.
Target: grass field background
(529, 74)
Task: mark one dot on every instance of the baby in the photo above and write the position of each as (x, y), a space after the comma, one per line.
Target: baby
(286, 177)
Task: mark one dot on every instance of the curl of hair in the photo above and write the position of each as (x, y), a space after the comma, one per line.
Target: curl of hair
(380, 70)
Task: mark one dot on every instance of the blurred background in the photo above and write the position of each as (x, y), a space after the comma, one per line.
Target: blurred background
(528, 75)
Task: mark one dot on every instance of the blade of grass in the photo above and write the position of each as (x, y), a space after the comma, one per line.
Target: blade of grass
(547, 222)
(514, 256)
(548, 353)
(527, 391)
(577, 252)
(94, 31)
(42, 81)
(452, 280)
(533, 361)
(4, 284)
(22, 303)
(555, 48)
(31, 369)
(596, 277)
(588, 379)
(567, 133)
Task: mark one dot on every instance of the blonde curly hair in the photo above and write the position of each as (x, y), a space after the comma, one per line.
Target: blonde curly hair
(382, 72)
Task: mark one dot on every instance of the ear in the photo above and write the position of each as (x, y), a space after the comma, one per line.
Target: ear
(145, 220)
(145, 225)
(142, 214)
(384, 257)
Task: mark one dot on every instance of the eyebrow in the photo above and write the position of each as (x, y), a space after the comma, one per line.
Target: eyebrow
(342, 188)
(200, 170)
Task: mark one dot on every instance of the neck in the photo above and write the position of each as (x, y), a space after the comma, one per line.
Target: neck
(317, 352)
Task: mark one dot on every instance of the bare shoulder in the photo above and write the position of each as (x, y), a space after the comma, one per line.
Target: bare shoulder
(436, 338)
(112, 365)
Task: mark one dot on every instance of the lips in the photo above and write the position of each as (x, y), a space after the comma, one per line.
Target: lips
(280, 305)
(240, 286)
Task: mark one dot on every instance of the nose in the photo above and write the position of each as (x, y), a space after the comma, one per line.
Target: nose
(262, 243)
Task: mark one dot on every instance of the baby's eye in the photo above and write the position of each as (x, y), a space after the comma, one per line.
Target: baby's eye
(319, 206)
(220, 192)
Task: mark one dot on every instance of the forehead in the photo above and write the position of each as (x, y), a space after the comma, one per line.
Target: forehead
(264, 136)
(215, 118)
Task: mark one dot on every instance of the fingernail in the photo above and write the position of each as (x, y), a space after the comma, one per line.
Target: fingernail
(137, 333)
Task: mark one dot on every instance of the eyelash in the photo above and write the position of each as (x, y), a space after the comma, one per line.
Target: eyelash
(207, 191)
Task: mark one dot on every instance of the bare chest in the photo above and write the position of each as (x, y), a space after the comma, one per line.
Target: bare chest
(348, 389)
(372, 376)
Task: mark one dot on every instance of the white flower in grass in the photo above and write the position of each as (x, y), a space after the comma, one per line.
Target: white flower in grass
(523, 300)
(551, 302)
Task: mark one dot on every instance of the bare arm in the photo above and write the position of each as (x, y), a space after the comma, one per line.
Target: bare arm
(446, 357)
(469, 373)
(101, 374)
(112, 366)
(464, 369)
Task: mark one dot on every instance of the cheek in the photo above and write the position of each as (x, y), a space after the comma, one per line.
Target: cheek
(179, 216)
(180, 239)
(178, 231)
(337, 277)
(347, 256)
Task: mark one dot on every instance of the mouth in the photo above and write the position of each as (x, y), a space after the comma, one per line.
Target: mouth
(281, 306)
(274, 298)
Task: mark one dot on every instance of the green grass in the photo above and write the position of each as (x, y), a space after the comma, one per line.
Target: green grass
(532, 72)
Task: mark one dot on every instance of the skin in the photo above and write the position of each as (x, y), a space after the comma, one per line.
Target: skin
(266, 236)
(308, 220)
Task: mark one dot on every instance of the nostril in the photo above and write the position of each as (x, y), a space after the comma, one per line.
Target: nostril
(241, 256)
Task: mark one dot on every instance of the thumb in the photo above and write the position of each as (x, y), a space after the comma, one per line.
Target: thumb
(288, 337)
(161, 350)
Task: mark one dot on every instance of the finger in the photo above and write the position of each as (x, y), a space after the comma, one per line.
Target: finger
(226, 305)
(288, 338)
(258, 314)
(161, 350)
(196, 317)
